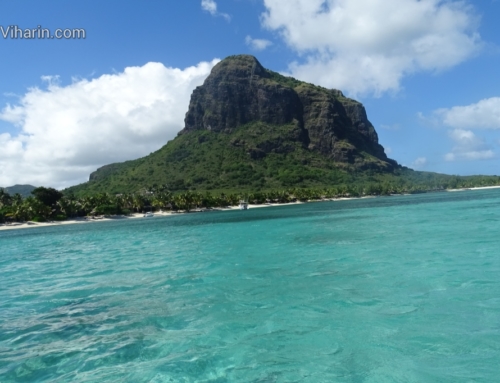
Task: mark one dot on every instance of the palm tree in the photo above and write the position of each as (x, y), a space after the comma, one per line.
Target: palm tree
(208, 200)
(197, 199)
(163, 199)
(189, 199)
(68, 207)
(87, 205)
(232, 199)
(127, 201)
(5, 198)
(36, 209)
(180, 202)
(16, 210)
(138, 202)
(17, 198)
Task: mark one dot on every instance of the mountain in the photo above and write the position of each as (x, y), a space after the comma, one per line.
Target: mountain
(24, 190)
(249, 128)
(239, 91)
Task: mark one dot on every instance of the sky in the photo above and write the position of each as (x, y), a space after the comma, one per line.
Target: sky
(427, 72)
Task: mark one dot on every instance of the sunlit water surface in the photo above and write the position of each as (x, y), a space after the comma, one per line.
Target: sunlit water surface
(394, 289)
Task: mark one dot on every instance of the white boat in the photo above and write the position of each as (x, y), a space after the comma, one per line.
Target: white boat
(243, 205)
(149, 214)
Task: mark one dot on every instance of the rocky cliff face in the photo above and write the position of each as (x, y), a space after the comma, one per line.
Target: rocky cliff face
(240, 91)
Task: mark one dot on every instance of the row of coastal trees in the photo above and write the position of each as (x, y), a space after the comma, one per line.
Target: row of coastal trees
(50, 204)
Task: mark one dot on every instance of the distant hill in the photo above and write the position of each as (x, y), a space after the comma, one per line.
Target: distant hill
(249, 128)
(24, 190)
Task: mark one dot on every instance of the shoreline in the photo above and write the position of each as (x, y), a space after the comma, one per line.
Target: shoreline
(475, 188)
(87, 220)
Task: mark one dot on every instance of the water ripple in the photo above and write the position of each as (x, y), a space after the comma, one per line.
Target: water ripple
(399, 289)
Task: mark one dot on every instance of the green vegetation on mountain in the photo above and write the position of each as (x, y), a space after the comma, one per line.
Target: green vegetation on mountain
(248, 129)
(207, 161)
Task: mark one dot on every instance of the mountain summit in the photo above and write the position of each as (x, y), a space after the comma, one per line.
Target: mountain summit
(251, 128)
(240, 91)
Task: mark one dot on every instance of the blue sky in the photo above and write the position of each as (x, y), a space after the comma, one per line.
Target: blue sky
(426, 71)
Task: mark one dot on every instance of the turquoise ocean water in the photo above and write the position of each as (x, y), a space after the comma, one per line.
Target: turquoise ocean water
(394, 289)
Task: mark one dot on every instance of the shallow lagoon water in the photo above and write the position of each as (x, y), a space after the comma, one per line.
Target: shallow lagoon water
(392, 289)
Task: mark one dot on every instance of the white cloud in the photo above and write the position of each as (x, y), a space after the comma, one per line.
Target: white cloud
(468, 147)
(464, 137)
(484, 114)
(388, 150)
(66, 132)
(419, 163)
(257, 44)
(474, 155)
(368, 46)
(211, 7)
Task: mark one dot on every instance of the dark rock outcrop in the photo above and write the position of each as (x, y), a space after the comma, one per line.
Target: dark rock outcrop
(240, 90)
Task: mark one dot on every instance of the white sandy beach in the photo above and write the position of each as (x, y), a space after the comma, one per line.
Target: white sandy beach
(88, 220)
(478, 188)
